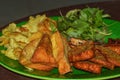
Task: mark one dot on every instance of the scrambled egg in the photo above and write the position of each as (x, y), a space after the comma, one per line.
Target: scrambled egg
(15, 38)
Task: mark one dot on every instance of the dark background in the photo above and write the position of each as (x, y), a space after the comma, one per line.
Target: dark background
(11, 10)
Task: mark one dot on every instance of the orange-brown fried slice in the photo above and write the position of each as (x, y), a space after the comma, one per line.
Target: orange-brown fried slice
(114, 44)
(82, 52)
(81, 56)
(111, 55)
(101, 59)
(115, 48)
(87, 66)
(43, 53)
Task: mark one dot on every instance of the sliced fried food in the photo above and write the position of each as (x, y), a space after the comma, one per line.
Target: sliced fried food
(81, 52)
(28, 52)
(111, 55)
(115, 48)
(60, 51)
(88, 66)
(101, 59)
(43, 52)
(114, 44)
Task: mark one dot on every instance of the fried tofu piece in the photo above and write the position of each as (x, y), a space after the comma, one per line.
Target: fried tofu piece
(101, 59)
(60, 53)
(43, 52)
(88, 66)
(38, 53)
(26, 55)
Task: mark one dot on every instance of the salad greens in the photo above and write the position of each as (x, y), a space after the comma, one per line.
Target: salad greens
(84, 24)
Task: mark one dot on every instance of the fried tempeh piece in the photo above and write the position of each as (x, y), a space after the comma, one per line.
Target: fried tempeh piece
(82, 52)
(111, 55)
(81, 56)
(88, 66)
(114, 44)
(43, 52)
(101, 59)
(115, 48)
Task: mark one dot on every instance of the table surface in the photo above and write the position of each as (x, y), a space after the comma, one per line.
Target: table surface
(110, 7)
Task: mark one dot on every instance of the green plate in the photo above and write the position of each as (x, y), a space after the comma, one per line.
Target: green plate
(15, 66)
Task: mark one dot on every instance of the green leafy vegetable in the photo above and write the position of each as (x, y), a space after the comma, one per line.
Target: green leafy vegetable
(84, 24)
(53, 27)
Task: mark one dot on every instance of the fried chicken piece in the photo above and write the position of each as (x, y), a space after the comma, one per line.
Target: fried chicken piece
(82, 52)
(110, 55)
(88, 66)
(101, 59)
(43, 52)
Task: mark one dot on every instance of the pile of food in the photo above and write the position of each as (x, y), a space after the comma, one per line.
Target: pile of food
(75, 40)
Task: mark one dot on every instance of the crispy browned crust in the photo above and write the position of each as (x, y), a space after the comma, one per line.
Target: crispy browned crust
(28, 52)
(81, 52)
(88, 66)
(101, 59)
(81, 56)
(114, 44)
(115, 48)
(60, 53)
(43, 52)
(110, 55)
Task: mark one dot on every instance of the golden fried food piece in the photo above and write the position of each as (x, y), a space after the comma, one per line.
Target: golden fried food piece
(88, 66)
(114, 44)
(110, 55)
(115, 48)
(81, 56)
(43, 52)
(28, 52)
(81, 52)
(99, 58)
(60, 51)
